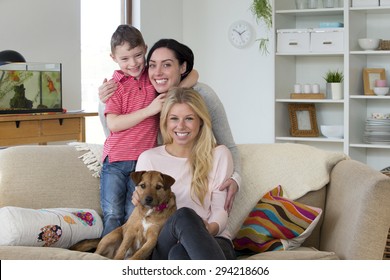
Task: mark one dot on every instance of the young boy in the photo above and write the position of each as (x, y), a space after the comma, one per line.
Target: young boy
(132, 115)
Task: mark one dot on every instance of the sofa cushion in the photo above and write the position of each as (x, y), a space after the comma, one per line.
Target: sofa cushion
(301, 253)
(276, 223)
(44, 253)
(56, 227)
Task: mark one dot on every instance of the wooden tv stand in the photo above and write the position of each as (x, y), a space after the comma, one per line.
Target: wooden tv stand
(42, 128)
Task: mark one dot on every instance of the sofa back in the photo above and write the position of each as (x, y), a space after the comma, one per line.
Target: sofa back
(46, 177)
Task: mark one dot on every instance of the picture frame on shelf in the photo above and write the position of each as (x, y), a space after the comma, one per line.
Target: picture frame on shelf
(303, 120)
(369, 77)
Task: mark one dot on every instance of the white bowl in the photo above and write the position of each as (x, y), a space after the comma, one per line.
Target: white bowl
(368, 43)
(381, 90)
(332, 131)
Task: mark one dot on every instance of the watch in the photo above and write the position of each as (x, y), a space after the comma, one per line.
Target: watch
(240, 34)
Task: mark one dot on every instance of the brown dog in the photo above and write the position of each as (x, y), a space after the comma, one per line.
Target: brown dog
(138, 236)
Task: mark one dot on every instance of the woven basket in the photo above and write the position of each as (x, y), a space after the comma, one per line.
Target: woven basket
(384, 45)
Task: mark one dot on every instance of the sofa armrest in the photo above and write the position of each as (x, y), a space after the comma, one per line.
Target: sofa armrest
(357, 212)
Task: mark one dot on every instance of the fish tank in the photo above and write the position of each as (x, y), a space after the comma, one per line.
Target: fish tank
(30, 88)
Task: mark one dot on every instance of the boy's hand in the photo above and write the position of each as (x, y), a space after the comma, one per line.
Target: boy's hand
(106, 90)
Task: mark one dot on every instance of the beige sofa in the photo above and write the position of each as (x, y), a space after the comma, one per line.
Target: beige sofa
(354, 198)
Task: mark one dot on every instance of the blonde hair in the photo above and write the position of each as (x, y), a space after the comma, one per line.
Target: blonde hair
(201, 159)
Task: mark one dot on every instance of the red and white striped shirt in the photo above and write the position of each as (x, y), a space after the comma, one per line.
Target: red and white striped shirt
(131, 95)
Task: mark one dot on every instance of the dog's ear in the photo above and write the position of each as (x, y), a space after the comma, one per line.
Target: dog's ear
(136, 176)
(168, 180)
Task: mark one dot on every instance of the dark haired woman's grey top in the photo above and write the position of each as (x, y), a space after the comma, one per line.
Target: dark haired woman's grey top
(221, 128)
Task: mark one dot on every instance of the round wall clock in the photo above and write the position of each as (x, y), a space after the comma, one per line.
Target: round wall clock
(240, 34)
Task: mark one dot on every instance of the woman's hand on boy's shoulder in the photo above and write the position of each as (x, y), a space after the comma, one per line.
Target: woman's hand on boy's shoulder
(106, 90)
(232, 187)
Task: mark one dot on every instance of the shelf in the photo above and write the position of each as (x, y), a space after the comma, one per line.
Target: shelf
(371, 10)
(373, 97)
(373, 146)
(386, 52)
(311, 12)
(310, 54)
(333, 101)
(311, 139)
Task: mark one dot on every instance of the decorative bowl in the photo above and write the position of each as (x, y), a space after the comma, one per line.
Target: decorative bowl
(381, 90)
(369, 44)
(332, 131)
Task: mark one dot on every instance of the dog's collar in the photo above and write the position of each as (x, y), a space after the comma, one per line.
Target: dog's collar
(160, 207)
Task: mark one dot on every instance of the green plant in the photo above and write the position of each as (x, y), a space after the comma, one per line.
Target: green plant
(334, 76)
(262, 10)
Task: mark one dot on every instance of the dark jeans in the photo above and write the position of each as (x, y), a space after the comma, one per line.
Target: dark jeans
(116, 191)
(185, 237)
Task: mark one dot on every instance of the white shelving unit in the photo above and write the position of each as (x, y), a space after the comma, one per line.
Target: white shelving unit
(355, 108)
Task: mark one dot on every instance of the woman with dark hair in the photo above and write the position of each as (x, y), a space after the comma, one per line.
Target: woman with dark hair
(169, 62)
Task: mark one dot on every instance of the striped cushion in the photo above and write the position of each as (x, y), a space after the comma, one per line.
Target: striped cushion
(276, 223)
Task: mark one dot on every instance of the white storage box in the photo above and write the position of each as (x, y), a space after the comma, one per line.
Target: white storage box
(327, 40)
(384, 2)
(293, 40)
(365, 3)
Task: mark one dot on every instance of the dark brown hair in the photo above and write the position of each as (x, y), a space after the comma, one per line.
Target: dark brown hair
(181, 52)
(126, 33)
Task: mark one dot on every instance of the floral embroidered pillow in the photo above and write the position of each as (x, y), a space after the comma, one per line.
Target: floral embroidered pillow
(276, 223)
(55, 227)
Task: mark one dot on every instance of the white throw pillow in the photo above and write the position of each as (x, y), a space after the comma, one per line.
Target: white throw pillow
(54, 227)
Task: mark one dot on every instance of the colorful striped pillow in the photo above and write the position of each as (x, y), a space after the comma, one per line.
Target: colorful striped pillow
(276, 223)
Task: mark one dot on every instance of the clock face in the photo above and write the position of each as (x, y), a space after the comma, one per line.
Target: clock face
(240, 34)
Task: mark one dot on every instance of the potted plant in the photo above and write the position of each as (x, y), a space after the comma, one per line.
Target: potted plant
(334, 84)
(262, 10)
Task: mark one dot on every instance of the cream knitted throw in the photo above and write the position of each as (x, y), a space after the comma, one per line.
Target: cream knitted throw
(93, 156)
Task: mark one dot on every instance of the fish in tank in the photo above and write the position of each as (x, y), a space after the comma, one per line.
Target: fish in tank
(30, 88)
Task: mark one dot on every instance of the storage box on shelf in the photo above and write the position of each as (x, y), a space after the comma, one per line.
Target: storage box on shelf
(327, 40)
(310, 40)
(365, 3)
(293, 41)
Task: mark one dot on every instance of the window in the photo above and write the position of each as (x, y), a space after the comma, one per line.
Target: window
(99, 19)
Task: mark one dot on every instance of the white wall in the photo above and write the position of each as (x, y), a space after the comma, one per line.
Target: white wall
(241, 77)
(46, 31)
(159, 19)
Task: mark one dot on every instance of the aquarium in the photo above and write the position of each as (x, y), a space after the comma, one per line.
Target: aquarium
(30, 88)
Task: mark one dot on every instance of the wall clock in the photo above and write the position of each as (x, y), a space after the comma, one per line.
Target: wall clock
(240, 34)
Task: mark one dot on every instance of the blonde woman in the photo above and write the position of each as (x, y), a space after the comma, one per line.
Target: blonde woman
(198, 228)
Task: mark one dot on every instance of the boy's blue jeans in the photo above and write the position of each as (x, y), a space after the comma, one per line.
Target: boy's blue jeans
(116, 191)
